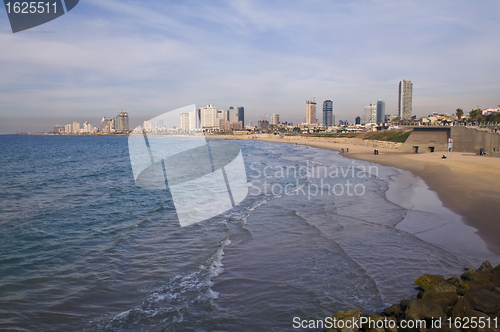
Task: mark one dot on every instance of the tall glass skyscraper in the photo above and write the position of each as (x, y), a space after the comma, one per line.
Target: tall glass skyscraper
(328, 113)
(380, 111)
(405, 99)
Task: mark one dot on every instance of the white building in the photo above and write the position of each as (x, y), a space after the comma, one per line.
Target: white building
(209, 118)
(275, 119)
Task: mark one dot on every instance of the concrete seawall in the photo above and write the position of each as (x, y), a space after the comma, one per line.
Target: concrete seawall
(465, 139)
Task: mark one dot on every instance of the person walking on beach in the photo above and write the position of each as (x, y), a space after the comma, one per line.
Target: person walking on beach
(496, 129)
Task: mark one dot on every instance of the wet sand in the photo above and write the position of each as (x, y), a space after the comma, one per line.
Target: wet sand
(466, 184)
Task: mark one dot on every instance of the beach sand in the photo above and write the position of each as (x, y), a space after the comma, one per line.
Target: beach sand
(466, 184)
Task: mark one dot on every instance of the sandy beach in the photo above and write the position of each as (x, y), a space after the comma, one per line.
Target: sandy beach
(465, 183)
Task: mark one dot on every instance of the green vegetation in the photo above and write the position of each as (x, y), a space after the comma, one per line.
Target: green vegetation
(460, 113)
(398, 136)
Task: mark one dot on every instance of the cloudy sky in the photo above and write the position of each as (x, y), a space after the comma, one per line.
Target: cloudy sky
(152, 56)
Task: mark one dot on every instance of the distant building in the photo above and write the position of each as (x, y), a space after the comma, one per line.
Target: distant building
(311, 112)
(106, 126)
(405, 99)
(209, 119)
(68, 129)
(184, 121)
(195, 119)
(263, 124)
(58, 129)
(231, 126)
(121, 123)
(370, 113)
(380, 111)
(327, 113)
(87, 128)
(76, 128)
(358, 120)
(222, 115)
(275, 119)
(236, 114)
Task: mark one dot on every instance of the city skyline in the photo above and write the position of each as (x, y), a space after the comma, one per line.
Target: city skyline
(85, 64)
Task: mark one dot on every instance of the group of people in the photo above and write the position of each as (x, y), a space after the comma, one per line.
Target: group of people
(346, 150)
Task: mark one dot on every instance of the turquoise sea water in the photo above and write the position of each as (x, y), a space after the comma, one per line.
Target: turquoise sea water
(82, 248)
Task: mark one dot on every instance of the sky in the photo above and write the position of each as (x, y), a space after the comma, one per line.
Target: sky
(151, 57)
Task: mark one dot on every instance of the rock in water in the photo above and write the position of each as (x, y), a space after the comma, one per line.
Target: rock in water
(434, 283)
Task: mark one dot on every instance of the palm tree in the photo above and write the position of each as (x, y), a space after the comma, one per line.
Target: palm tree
(460, 113)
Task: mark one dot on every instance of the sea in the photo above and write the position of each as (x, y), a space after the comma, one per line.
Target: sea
(83, 248)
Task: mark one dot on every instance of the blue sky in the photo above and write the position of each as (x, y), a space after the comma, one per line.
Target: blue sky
(268, 56)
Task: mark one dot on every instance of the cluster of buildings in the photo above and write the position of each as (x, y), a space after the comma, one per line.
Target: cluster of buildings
(116, 125)
(210, 119)
(374, 113)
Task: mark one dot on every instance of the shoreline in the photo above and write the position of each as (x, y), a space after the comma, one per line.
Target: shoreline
(468, 185)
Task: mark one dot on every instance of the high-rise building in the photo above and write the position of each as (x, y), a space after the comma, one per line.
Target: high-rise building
(76, 128)
(311, 112)
(209, 118)
(405, 99)
(241, 115)
(370, 113)
(184, 121)
(222, 115)
(327, 113)
(121, 123)
(380, 111)
(195, 119)
(235, 114)
(358, 120)
(275, 119)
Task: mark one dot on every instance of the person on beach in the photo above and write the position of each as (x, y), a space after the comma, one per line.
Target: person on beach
(347, 150)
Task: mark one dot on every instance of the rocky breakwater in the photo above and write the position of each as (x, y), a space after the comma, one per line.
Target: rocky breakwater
(470, 302)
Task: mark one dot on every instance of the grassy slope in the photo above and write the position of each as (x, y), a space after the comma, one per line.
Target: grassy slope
(399, 136)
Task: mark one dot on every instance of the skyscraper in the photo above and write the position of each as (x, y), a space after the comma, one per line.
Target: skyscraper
(121, 123)
(327, 113)
(275, 119)
(380, 111)
(370, 113)
(405, 99)
(209, 118)
(184, 121)
(311, 112)
(235, 114)
(195, 119)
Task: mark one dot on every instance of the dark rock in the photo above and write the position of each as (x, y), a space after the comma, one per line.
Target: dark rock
(434, 283)
(424, 309)
(483, 300)
(472, 275)
(464, 309)
(486, 267)
(453, 281)
(404, 304)
(445, 300)
(464, 286)
(345, 316)
(395, 311)
(496, 275)
(496, 290)
(374, 318)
